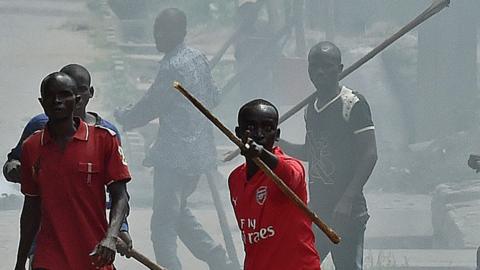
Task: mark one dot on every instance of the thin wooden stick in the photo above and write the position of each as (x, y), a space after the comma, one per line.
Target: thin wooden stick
(140, 257)
(222, 218)
(433, 9)
(331, 234)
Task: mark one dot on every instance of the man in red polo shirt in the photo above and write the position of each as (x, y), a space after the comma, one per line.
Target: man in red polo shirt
(276, 233)
(65, 169)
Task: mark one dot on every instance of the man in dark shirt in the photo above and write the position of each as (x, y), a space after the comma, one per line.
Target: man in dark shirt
(341, 150)
(184, 148)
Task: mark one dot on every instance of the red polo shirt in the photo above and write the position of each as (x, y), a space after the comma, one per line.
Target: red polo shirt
(276, 234)
(71, 184)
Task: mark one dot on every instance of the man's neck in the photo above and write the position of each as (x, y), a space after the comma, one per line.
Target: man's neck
(170, 50)
(325, 95)
(252, 168)
(62, 130)
(88, 118)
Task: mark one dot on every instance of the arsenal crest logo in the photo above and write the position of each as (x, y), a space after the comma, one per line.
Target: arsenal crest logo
(261, 195)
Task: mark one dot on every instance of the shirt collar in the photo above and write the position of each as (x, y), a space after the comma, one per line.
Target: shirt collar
(175, 51)
(81, 134)
(328, 103)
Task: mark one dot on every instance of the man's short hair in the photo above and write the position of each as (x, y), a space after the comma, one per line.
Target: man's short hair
(176, 16)
(56, 79)
(326, 48)
(78, 72)
(254, 103)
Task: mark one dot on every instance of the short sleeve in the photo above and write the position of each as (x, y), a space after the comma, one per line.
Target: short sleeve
(115, 161)
(29, 186)
(361, 117)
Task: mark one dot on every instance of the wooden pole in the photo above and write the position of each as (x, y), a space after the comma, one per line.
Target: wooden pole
(331, 234)
(222, 218)
(433, 9)
(139, 256)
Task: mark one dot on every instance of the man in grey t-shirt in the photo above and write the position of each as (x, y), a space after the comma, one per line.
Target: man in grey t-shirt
(341, 151)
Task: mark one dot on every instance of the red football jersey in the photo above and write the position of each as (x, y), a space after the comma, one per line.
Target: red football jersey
(71, 184)
(276, 233)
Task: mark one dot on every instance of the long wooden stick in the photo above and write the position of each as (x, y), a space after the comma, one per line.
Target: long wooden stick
(222, 218)
(331, 234)
(140, 257)
(433, 9)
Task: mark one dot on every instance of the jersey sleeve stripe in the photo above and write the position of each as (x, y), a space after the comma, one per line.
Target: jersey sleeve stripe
(363, 129)
(31, 195)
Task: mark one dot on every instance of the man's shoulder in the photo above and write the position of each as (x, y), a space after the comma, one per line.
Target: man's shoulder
(194, 52)
(291, 161)
(236, 174)
(349, 99)
(350, 95)
(102, 123)
(186, 56)
(102, 130)
(39, 118)
(37, 122)
(105, 124)
(35, 139)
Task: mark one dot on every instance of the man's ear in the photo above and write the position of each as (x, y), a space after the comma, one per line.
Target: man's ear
(237, 132)
(341, 68)
(40, 100)
(277, 135)
(92, 91)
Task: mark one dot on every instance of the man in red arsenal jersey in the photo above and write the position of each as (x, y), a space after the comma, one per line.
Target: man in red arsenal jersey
(276, 234)
(65, 169)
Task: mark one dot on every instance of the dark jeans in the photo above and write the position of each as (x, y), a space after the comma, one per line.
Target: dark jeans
(171, 218)
(348, 255)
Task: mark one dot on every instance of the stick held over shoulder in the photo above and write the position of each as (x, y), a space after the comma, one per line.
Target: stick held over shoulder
(434, 8)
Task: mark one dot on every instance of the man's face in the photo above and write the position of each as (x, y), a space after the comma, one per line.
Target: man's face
(58, 101)
(324, 71)
(260, 122)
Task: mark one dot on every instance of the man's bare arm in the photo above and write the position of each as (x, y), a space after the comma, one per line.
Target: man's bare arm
(366, 160)
(104, 253)
(120, 206)
(29, 224)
